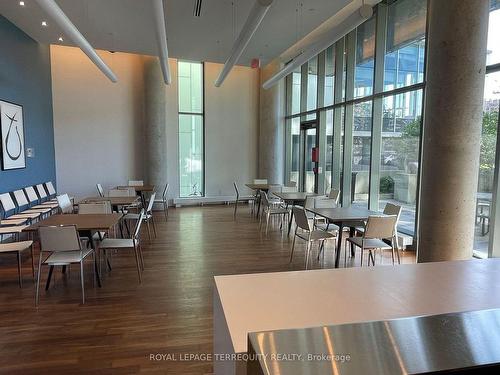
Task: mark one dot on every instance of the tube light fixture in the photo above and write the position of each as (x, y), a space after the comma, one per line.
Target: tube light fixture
(161, 36)
(70, 30)
(251, 25)
(350, 23)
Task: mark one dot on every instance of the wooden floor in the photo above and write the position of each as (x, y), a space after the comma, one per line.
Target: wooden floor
(125, 322)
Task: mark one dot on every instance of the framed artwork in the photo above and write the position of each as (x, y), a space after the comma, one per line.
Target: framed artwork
(12, 132)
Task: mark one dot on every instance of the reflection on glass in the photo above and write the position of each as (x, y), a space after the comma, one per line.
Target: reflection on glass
(404, 59)
(190, 129)
(493, 47)
(487, 162)
(310, 143)
(329, 150)
(312, 86)
(295, 151)
(361, 150)
(365, 52)
(329, 75)
(399, 159)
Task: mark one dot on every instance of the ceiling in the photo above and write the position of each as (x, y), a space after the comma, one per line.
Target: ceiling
(127, 25)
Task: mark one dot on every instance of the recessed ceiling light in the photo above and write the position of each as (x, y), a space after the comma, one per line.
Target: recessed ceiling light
(21, 3)
(61, 39)
(44, 23)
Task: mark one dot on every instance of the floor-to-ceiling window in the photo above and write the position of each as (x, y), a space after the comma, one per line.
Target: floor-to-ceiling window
(191, 129)
(487, 166)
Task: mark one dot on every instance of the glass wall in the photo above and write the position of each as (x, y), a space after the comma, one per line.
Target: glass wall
(191, 129)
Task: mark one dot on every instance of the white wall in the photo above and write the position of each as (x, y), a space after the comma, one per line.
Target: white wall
(98, 125)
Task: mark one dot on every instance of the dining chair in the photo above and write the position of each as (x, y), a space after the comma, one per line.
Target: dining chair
(100, 190)
(334, 194)
(50, 189)
(377, 229)
(164, 200)
(135, 183)
(65, 248)
(132, 243)
(239, 199)
(10, 208)
(289, 189)
(273, 199)
(268, 210)
(308, 233)
(34, 201)
(18, 248)
(42, 193)
(121, 192)
(291, 184)
(147, 217)
(23, 204)
(65, 204)
(390, 209)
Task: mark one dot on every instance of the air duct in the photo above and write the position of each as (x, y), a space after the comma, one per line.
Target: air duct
(161, 36)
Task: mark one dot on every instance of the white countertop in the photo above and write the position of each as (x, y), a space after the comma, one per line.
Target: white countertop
(284, 300)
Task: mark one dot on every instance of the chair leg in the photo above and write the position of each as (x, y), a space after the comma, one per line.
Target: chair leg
(149, 229)
(139, 248)
(81, 282)
(32, 263)
(38, 280)
(293, 246)
(267, 221)
(308, 249)
(137, 263)
(235, 208)
(165, 209)
(154, 224)
(19, 269)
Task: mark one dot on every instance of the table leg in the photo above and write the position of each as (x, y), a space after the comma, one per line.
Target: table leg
(96, 260)
(258, 206)
(291, 219)
(49, 277)
(339, 245)
(352, 232)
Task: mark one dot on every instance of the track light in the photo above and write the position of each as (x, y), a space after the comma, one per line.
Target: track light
(251, 25)
(52, 9)
(327, 39)
(161, 37)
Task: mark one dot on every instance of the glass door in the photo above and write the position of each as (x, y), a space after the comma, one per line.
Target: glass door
(310, 153)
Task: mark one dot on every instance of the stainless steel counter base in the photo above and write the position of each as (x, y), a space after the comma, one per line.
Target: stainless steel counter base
(467, 342)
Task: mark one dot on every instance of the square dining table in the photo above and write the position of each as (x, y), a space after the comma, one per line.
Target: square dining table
(85, 225)
(294, 198)
(344, 217)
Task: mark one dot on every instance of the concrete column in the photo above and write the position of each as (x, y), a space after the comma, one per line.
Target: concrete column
(155, 137)
(271, 129)
(456, 59)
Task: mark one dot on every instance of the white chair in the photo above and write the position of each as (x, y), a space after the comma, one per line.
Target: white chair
(147, 217)
(42, 193)
(289, 189)
(103, 207)
(135, 183)
(291, 184)
(164, 200)
(23, 204)
(128, 244)
(65, 248)
(273, 199)
(50, 189)
(307, 233)
(100, 190)
(34, 200)
(9, 209)
(377, 229)
(335, 195)
(239, 199)
(65, 204)
(17, 248)
(268, 211)
(121, 192)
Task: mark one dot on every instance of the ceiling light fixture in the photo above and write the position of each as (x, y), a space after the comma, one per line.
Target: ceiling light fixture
(69, 29)
(61, 39)
(161, 38)
(21, 3)
(44, 23)
(326, 40)
(251, 25)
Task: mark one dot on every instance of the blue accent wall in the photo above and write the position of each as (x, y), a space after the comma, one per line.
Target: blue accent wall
(25, 79)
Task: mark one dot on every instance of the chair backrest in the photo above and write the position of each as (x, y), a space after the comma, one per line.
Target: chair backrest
(7, 202)
(309, 202)
(135, 183)
(274, 189)
(335, 195)
(380, 226)
(129, 189)
(137, 229)
(301, 218)
(324, 202)
(59, 238)
(50, 189)
(392, 209)
(21, 200)
(95, 208)
(292, 184)
(41, 192)
(165, 192)
(151, 203)
(31, 193)
(65, 204)
(263, 199)
(289, 189)
(119, 193)
(236, 190)
(100, 190)
(262, 181)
